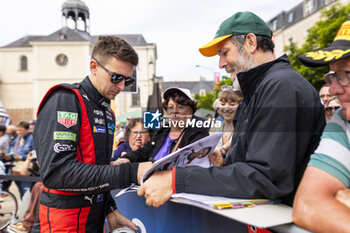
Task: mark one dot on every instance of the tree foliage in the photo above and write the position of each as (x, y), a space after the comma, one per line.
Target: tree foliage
(207, 101)
(319, 36)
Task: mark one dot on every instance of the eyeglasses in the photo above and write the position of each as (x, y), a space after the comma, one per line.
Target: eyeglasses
(135, 133)
(342, 76)
(226, 87)
(116, 78)
(332, 109)
(179, 107)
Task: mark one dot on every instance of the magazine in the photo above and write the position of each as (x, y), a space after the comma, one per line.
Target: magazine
(194, 154)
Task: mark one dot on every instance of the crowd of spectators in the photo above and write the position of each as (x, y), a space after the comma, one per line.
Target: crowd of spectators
(256, 147)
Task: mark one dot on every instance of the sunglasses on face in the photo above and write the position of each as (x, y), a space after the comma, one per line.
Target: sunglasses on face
(226, 87)
(342, 76)
(332, 109)
(116, 78)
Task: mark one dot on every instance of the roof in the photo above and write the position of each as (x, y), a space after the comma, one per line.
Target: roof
(72, 4)
(68, 34)
(23, 42)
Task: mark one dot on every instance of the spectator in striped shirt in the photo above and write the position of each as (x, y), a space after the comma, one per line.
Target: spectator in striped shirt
(320, 202)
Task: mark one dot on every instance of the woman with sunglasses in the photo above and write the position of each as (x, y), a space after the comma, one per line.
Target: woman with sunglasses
(333, 104)
(229, 99)
(179, 106)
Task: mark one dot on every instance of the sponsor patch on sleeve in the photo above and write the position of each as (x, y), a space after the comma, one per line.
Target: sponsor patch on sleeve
(58, 147)
(64, 135)
(67, 119)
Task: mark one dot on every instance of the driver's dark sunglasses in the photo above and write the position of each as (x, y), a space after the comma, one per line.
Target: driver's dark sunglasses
(116, 78)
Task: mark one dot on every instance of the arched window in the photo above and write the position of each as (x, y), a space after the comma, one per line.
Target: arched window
(136, 98)
(24, 63)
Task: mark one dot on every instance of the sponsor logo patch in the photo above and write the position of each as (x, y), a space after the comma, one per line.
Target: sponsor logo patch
(99, 129)
(63, 135)
(99, 198)
(58, 147)
(67, 119)
(89, 198)
(85, 96)
(98, 112)
(105, 104)
(111, 126)
(109, 115)
(99, 121)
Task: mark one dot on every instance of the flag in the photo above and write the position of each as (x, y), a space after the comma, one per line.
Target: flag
(4, 117)
(216, 80)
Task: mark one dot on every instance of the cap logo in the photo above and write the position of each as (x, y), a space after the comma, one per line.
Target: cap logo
(327, 55)
(344, 32)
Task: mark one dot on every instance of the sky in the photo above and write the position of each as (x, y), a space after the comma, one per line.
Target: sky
(177, 27)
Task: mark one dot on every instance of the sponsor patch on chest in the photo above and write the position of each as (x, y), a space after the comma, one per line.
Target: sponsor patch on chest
(99, 121)
(98, 112)
(99, 129)
(109, 115)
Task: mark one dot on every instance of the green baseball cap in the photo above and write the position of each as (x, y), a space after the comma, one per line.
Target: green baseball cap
(238, 24)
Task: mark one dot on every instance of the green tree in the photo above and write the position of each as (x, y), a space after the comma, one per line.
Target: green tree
(207, 101)
(319, 36)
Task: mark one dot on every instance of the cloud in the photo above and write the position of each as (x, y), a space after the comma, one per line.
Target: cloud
(178, 27)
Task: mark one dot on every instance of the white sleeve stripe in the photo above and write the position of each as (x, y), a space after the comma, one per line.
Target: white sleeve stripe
(334, 150)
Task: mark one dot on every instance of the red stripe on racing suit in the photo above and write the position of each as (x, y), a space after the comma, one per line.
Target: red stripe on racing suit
(71, 219)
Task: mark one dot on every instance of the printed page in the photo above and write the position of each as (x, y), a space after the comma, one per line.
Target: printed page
(194, 154)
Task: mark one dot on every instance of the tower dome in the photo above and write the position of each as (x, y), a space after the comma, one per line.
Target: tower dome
(78, 12)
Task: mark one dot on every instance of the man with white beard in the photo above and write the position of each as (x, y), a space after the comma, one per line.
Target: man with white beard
(278, 126)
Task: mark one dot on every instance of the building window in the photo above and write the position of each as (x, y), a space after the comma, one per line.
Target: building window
(136, 98)
(309, 5)
(290, 17)
(274, 25)
(24, 63)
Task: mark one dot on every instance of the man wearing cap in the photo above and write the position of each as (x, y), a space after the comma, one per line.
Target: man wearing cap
(320, 202)
(278, 124)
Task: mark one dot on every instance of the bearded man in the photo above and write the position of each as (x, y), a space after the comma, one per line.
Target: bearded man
(278, 124)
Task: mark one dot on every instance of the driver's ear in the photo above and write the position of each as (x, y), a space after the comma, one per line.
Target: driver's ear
(93, 67)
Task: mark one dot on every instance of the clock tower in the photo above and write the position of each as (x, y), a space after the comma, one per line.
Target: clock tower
(75, 15)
